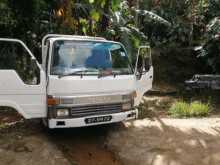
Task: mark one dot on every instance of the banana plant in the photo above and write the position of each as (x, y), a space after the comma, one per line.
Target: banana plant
(125, 26)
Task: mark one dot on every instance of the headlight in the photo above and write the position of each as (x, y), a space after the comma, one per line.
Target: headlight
(62, 112)
(126, 106)
(129, 96)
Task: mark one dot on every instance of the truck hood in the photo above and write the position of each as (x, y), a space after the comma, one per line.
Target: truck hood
(90, 85)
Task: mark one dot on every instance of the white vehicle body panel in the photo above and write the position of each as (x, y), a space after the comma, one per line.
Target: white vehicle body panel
(80, 122)
(90, 85)
(28, 100)
(143, 85)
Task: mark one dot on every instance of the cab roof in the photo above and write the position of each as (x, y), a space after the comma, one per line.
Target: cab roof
(74, 37)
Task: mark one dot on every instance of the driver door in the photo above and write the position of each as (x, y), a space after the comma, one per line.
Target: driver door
(144, 72)
(22, 80)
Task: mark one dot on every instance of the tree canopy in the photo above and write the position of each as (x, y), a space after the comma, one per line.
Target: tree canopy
(185, 23)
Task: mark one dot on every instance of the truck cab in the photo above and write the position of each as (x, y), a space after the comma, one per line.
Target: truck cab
(82, 81)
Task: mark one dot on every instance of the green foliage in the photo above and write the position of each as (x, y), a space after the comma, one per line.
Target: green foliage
(195, 109)
(210, 51)
(213, 9)
(134, 23)
(180, 109)
(193, 23)
(6, 14)
(2, 126)
(116, 4)
(199, 109)
(115, 20)
(186, 17)
(126, 26)
(173, 11)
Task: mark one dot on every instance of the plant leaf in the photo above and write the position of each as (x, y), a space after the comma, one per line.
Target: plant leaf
(95, 15)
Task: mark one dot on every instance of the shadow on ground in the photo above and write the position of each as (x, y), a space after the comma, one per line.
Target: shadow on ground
(85, 146)
(152, 141)
(168, 142)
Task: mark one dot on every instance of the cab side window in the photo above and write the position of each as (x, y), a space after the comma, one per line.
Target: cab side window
(13, 56)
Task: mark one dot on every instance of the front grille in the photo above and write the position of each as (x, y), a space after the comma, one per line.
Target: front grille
(82, 111)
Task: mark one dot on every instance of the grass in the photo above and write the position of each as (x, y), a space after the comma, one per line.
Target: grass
(199, 109)
(194, 109)
(2, 126)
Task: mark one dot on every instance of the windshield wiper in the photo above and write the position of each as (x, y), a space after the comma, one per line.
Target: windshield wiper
(103, 74)
(82, 72)
(78, 73)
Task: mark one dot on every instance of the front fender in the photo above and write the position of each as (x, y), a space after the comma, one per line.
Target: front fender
(15, 107)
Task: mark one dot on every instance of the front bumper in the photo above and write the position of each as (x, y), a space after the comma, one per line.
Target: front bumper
(80, 122)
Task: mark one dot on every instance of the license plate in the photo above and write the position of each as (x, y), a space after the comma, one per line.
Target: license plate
(98, 119)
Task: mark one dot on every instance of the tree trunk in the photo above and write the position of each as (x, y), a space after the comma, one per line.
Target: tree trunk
(105, 19)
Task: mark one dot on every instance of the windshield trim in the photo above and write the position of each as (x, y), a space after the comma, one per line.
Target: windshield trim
(86, 40)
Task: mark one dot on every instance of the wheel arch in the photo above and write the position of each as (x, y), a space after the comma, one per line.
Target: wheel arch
(14, 106)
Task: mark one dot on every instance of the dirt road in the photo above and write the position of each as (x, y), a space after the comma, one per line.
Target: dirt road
(142, 142)
(168, 142)
(30, 143)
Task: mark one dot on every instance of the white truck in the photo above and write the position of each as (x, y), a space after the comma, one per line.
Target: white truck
(83, 81)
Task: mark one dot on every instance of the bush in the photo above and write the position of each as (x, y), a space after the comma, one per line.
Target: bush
(179, 109)
(199, 109)
(195, 109)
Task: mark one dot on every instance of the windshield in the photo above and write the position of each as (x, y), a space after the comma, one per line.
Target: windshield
(89, 57)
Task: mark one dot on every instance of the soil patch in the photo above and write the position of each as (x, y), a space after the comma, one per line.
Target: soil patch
(168, 142)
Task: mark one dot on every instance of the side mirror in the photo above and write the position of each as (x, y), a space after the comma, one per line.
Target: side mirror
(143, 62)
